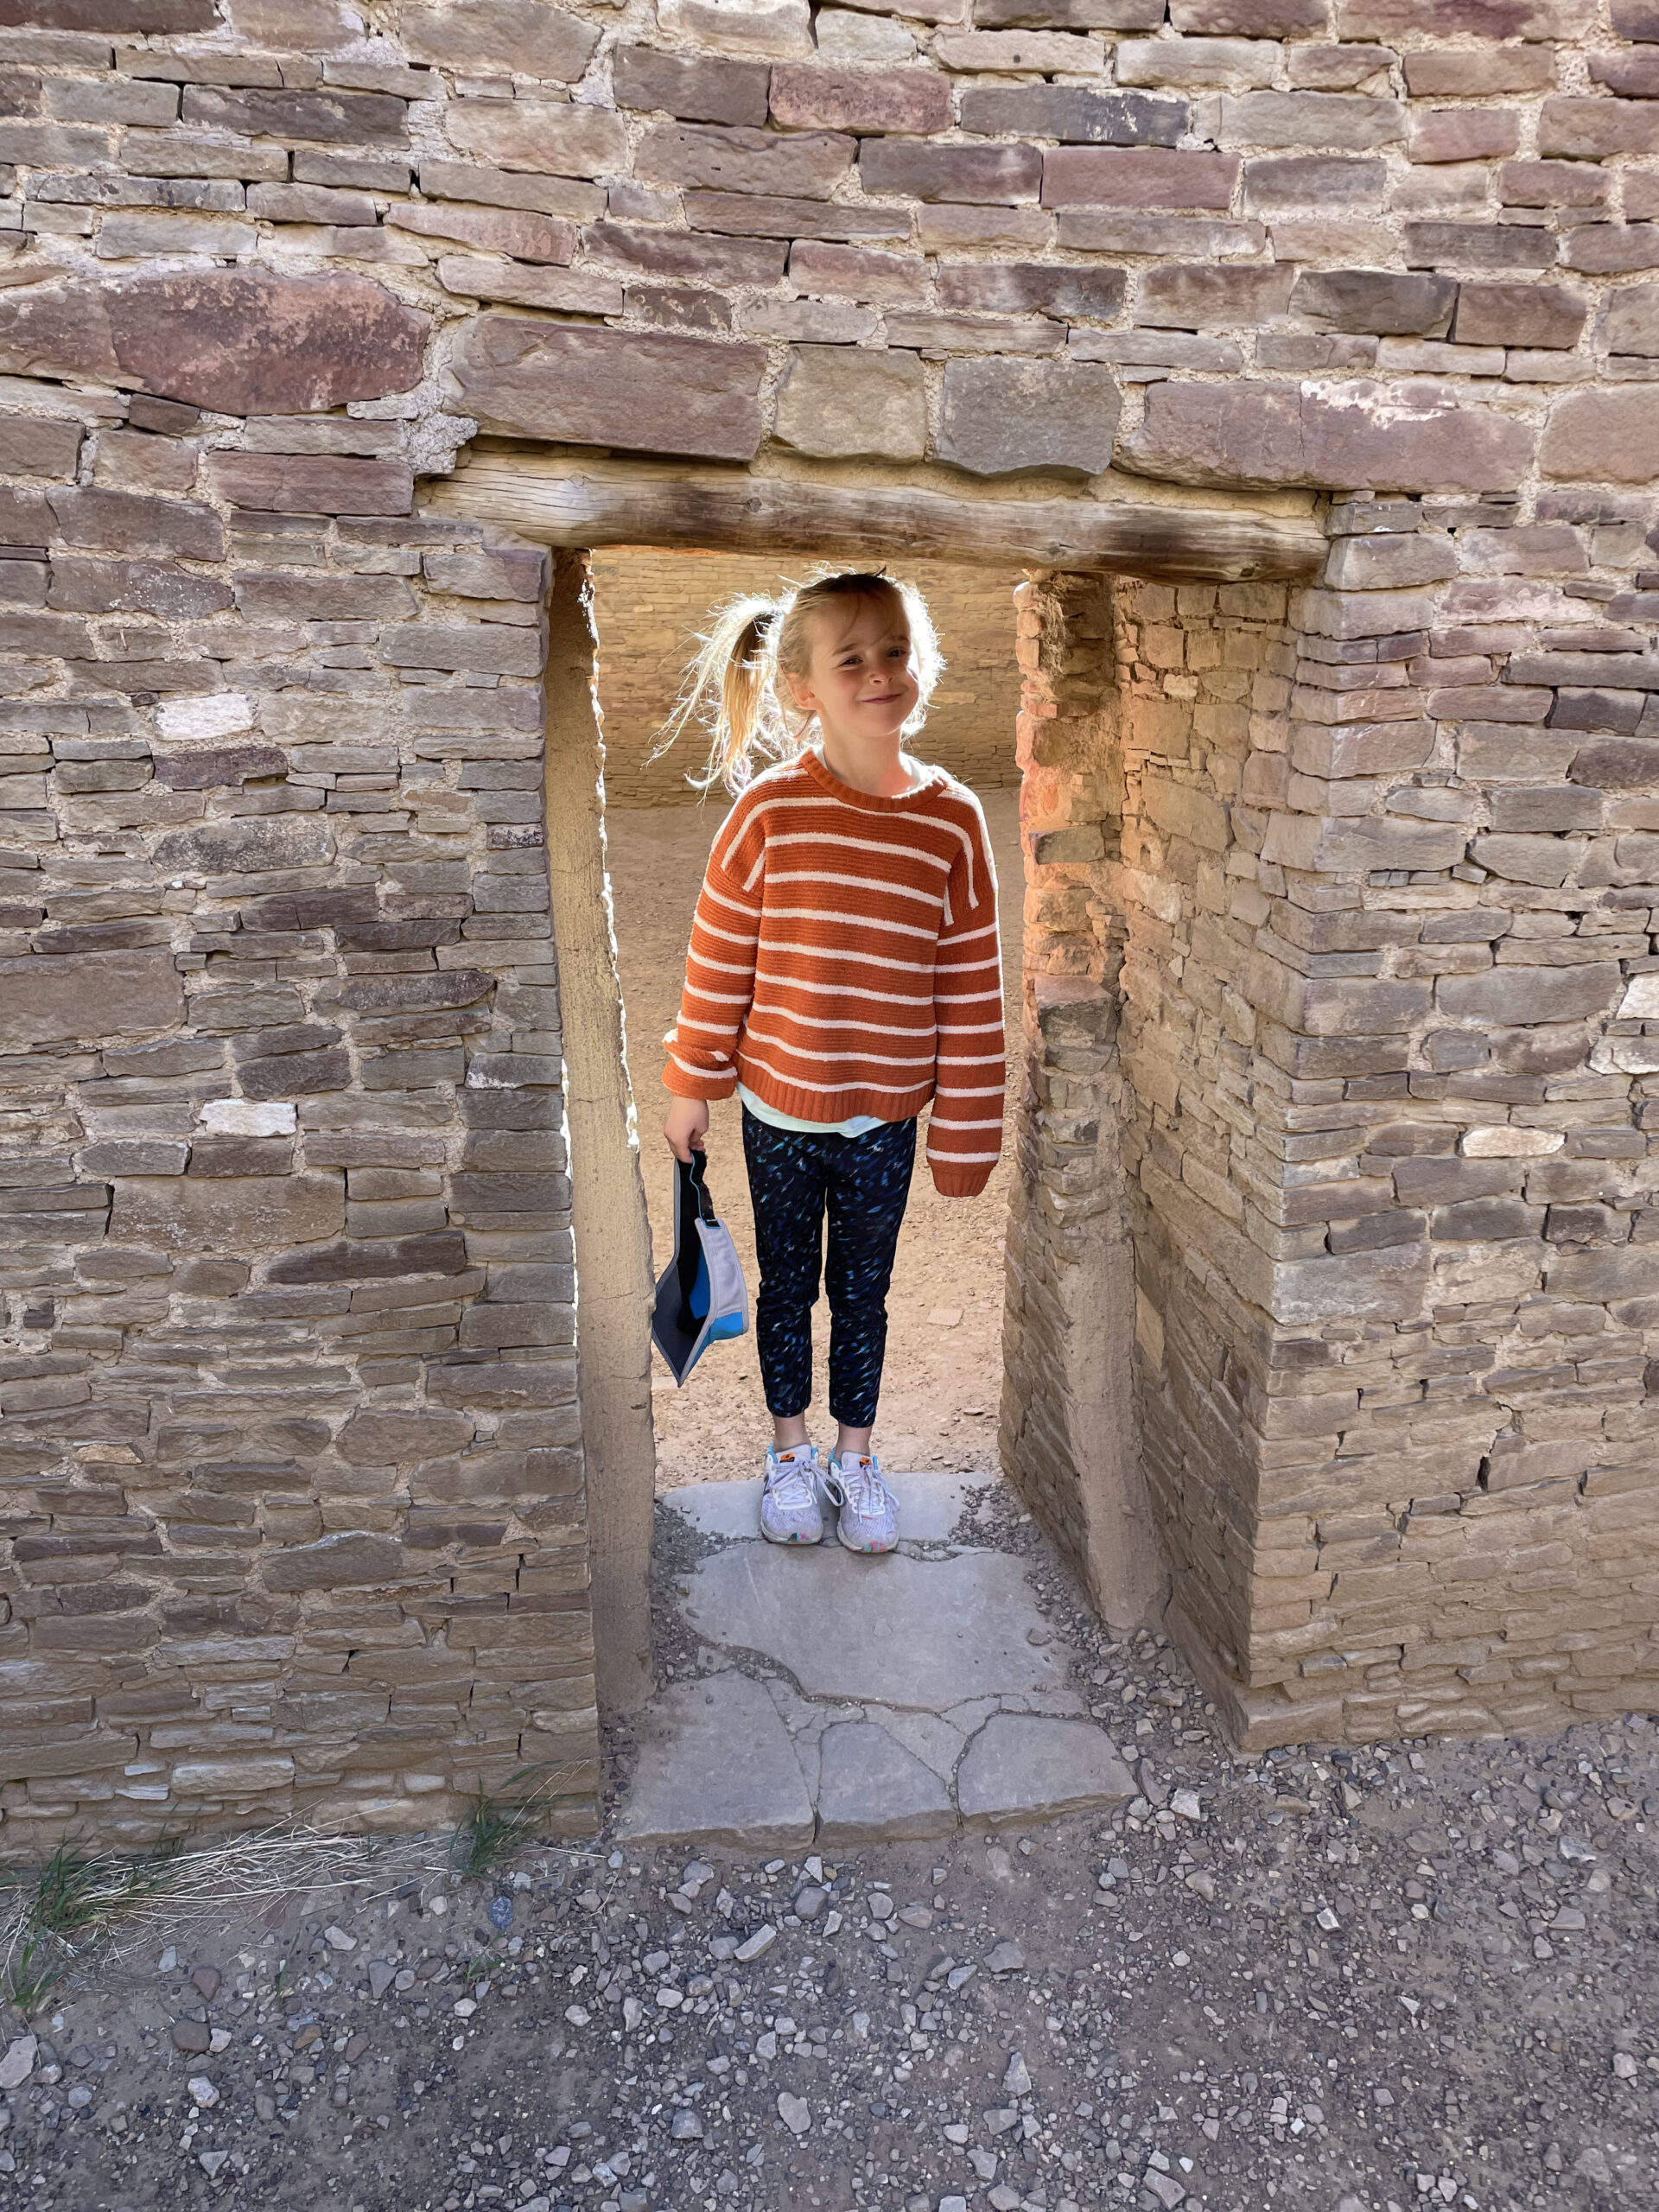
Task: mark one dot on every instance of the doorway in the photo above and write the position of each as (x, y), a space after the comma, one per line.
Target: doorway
(941, 1387)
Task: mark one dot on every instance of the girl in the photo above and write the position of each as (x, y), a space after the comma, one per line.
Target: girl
(844, 969)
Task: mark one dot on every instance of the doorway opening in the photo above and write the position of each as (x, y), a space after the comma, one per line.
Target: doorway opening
(941, 1386)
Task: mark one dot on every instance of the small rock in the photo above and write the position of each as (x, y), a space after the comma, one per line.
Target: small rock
(1017, 2079)
(19, 2061)
(1186, 1804)
(751, 1946)
(1004, 2199)
(501, 1913)
(168, 1962)
(211, 2161)
(382, 1975)
(1164, 2187)
(795, 2113)
(1038, 1637)
(264, 2104)
(191, 2036)
(1000, 2118)
(338, 1940)
(943, 1317)
(810, 1902)
(632, 2012)
(917, 1915)
(984, 2163)
(1007, 1958)
(203, 2091)
(953, 2204)
(1625, 2067)
(576, 2016)
(206, 1980)
(685, 2127)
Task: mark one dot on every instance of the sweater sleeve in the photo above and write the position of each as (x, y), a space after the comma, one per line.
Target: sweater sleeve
(964, 1131)
(719, 965)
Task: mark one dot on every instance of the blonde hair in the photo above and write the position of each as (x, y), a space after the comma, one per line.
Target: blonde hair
(733, 687)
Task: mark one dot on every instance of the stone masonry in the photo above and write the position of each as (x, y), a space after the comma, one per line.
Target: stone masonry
(649, 606)
(1345, 959)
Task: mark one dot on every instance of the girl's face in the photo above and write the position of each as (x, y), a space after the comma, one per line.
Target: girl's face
(861, 680)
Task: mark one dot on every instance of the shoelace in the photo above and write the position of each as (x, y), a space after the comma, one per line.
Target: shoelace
(862, 1485)
(791, 1484)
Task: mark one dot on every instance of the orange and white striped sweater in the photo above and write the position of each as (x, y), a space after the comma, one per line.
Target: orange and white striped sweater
(845, 960)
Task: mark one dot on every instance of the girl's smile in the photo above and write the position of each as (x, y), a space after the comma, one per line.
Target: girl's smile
(862, 681)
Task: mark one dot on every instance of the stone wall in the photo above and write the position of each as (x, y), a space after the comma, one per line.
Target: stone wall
(649, 607)
(293, 1506)
(1376, 894)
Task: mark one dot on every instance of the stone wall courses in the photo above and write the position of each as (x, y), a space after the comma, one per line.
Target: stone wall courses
(1372, 865)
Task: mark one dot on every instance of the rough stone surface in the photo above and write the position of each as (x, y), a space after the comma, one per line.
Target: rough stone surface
(1362, 434)
(998, 416)
(239, 341)
(869, 1787)
(659, 394)
(840, 403)
(717, 1766)
(1017, 1767)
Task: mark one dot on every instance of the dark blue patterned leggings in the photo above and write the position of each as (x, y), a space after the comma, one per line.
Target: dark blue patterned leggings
(865, 1182)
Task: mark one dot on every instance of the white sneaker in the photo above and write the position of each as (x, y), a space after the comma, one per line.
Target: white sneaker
(789, 1503)
(867, 1512)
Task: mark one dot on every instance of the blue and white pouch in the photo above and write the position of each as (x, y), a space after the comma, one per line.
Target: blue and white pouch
(701, 1297)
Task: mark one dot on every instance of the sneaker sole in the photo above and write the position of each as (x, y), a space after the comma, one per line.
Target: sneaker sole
(865, 1551)
(798, 1542)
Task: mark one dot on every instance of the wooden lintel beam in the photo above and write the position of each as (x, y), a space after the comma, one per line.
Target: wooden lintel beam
(566, 503)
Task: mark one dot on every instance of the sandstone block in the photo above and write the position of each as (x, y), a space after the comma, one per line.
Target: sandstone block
(490, 188)
(779, 28)
(513, 231)
(980, 175)
(483, 648)
(1465, 72)
(1059, 14)
(33, 445)
(239, 341)
(1197, 65)
(837, 403)
(805, 96)
(1490, 19)
(1592, 129)
(128, 522)
(842, 34)
(582, 386)
(1518, 995)
(678, 253)
(1520, 315)
(1212, 296)
(1141, 177)
(376, 1439)
(562, 291)
(1633, 76)
(1613, 248)
(1463, 134)
(549, 138)
(1021, 287)
(1630, 322)
(1045, 52)
(500, 38)
(1386, 437)
(230, 1214)
(702, 155)
(252, 845)
(340, 1562)
(301, 484)
(245, 1778)
(742, 214)
(1390, 563)
(1376, 301)
(94, 996)
(859, 272)
(999, 415)
(1478, 246)
(134, 237)
(1075, 114)
(1327, 181)
(696, 88)
(326, 118)
(1349, 120)
(93, 587)
(1602, 436)
(265, 596)
(1247, 18)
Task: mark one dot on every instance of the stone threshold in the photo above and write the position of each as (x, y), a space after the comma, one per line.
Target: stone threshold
(844, 1700)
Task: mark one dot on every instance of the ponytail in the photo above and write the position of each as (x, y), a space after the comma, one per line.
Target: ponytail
(732, 688)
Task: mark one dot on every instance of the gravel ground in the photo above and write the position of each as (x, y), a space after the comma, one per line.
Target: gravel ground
(1413, 1974)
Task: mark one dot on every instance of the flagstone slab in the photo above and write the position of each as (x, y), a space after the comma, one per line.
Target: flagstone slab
(1019, 1767)
(871, 1788)
(717, 1766)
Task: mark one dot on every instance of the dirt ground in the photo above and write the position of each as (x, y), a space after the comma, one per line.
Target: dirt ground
(940, 1390)
(1406, 1976)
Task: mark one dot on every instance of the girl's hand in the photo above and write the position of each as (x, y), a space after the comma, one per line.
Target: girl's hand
(686, 1127)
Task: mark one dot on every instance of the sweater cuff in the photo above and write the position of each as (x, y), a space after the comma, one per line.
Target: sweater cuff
(709, 1087)
(952, 1181)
